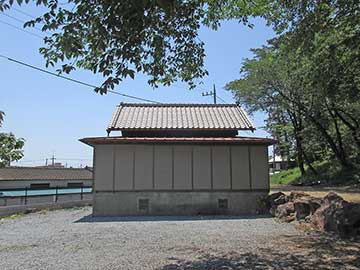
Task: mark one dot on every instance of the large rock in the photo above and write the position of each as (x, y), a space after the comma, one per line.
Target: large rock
(285, 212)
(323, 218)
(296, 195)
(276, 198)
(332, 197)
(281, 206)
(351, 220)
(272, 210)
(337, 215)
(306, 206)
(331, 214)
(271, 202)
(280, 200)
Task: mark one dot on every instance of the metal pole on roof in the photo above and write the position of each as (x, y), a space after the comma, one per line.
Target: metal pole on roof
(214, 94)
(52, 160)
(211, 93)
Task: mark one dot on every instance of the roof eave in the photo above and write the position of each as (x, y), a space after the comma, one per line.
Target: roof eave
(186, 140)
(178, 129)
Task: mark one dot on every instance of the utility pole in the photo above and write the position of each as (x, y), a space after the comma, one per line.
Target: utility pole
(211, 93)
(214, 94)
(53, 160)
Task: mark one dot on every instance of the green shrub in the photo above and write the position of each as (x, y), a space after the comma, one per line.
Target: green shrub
(328, 172)
(285, 177)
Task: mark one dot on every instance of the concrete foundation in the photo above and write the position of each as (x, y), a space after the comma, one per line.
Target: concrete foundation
(136, 203)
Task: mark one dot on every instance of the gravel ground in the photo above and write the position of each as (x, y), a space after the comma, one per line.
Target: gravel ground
(72, 239)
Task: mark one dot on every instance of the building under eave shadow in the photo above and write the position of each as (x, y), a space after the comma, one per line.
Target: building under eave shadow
(179, 159)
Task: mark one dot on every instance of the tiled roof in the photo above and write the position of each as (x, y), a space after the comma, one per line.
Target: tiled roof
(178, 140)
(44, 173)
(135, 116)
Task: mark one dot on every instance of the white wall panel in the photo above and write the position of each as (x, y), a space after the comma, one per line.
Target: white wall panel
(104, 169)
(240, 167)
(221, 167)
(182, 167)
(202, 167)
(163, 167)
(259, 167)
(124, 167)
(143, 177)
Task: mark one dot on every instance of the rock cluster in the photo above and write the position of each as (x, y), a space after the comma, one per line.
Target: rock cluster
(331, 213)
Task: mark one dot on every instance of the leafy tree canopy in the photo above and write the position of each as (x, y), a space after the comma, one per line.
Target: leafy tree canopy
(10, 146)
(307, 80)
(10, 149)
(1, 117)
(120, 38)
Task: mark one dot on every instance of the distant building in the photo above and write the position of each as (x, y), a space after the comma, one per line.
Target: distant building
(44, 177)
(179, 159)
(55, 165)
(280, 163)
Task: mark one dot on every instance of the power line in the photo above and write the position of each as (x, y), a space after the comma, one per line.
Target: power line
(73, 80)
(18, 20)
(18, 28)
(60, 76)
(23, 13)
(213, 93)
(221, 99)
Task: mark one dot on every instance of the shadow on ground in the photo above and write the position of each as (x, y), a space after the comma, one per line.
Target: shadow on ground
(91, 219)
(294, 253)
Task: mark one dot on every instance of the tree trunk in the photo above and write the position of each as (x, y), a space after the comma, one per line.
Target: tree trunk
(297, 125)
(338, 154)
(306, 113)
(354, 127)
(307, 161)
(299, 152)
(300, 159)
(341, 150)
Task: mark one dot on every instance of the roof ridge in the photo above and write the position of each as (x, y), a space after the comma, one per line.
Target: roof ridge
(122, 104)
(188, 116)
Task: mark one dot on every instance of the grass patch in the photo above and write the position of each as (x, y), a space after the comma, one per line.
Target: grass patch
(328, 172)
(285, 177)
(44, 211)
(13, 216)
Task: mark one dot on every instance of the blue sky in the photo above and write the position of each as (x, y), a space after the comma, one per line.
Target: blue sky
(52, 113)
